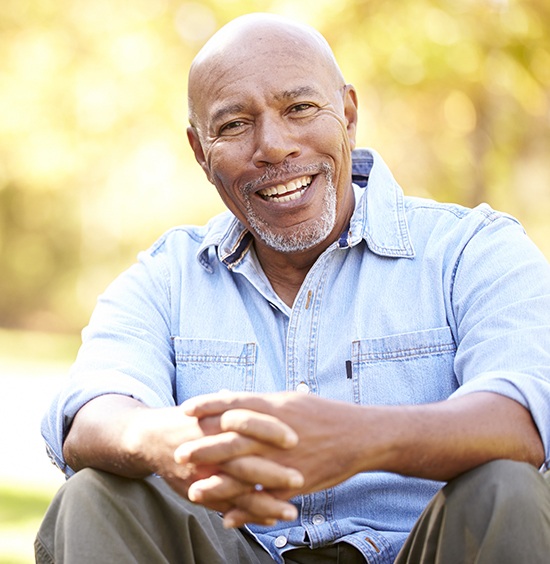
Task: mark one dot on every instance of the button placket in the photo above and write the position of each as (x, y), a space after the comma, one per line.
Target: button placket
(318, 519)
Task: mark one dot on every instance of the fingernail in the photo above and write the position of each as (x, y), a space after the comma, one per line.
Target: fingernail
(229, 523)
(290, 440)
(295, 480)
(188, 406)
(194, 494)
(290, 514)
(181, 454)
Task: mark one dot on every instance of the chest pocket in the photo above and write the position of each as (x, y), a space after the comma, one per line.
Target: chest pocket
(409, 368)
(204, 366)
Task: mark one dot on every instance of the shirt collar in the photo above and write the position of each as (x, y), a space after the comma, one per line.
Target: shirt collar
(379, 218)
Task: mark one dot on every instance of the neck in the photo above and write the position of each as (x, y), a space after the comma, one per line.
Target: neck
(286, 271)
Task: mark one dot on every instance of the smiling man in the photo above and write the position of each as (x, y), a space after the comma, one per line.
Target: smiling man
(328, 372)
(273, 125)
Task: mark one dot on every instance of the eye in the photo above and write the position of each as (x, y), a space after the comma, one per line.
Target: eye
(302, 107)
(232, 128)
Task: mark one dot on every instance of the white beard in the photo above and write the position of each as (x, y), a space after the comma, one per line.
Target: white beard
(299, 238)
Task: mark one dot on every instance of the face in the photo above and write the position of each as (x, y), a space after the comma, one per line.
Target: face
(273, 131)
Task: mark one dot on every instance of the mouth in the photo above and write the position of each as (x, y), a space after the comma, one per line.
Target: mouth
(292, 190)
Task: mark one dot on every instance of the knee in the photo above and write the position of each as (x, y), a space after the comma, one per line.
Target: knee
(502, 486)
(88, 479)
(90, 488)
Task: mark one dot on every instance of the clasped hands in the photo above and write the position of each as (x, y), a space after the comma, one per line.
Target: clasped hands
(271, 447)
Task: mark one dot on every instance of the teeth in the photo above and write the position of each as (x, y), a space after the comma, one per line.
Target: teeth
(281, 189)
(290, 197)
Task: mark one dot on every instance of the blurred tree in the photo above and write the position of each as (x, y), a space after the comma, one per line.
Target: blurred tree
(93, 159)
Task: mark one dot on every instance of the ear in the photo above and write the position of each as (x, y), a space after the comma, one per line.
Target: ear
(194, 141)
(350, 111)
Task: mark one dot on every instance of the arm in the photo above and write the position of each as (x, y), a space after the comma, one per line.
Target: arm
(117, 412)
(121, 435)
(435, 441)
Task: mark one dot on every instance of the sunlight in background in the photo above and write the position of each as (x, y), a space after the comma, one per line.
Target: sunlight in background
(94, 161)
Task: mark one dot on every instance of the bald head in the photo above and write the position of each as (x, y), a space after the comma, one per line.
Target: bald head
(266, 37)
(273, 127)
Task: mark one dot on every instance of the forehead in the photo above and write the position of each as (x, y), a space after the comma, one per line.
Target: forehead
(273, 74)
(260, 57)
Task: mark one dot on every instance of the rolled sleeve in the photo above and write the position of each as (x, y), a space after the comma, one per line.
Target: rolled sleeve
(501, 301)
(127, 349)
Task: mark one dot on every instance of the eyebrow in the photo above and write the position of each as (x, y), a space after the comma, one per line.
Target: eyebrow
(292, 94)
(227, 110)
(297, 93)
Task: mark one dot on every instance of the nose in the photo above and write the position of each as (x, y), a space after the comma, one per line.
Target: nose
(274, 141)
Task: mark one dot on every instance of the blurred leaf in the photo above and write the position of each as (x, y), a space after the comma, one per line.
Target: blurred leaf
(94, 163)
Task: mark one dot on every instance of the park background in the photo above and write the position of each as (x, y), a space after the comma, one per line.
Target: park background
(94, 162)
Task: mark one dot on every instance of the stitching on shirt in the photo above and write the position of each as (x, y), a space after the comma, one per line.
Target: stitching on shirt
(205, 358)
(412, 352)
(491, 216)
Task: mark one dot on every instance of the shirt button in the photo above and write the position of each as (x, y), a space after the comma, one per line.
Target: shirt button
(318, 519)
(280, 541)
(303, 388)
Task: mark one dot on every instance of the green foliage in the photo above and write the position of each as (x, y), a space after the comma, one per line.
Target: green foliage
(42, 349)
(93, 158)
(21, 512)
(17, 507)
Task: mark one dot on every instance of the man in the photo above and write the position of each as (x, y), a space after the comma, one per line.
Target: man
(391, 344)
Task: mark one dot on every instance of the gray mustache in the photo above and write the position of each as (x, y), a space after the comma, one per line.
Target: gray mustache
(275, 174)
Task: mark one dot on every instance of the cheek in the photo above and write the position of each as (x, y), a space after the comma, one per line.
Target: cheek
(329, 134)
(227, 161)
(221, 171)
(229, 191)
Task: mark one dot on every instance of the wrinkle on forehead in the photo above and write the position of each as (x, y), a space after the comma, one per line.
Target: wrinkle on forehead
(257, 35)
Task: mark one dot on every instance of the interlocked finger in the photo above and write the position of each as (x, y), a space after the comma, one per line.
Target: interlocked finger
(220, 487)
(260, 426)
(260, 508)
(258, 470)
(216, 449)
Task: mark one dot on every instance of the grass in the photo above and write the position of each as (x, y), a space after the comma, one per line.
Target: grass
(31, 365)
(21, 512)
(19, 507)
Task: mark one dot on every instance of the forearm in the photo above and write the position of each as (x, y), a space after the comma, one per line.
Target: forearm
(122, 436)
(337, 440)
(104, 435)
(442, 440)
(435, 441)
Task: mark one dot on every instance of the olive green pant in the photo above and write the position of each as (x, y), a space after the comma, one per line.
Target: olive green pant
(498, 513)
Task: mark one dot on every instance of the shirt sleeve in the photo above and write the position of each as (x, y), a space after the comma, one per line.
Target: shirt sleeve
(501, 305)
(126, 349)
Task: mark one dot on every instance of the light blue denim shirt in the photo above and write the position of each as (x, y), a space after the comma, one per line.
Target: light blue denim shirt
(416, 302)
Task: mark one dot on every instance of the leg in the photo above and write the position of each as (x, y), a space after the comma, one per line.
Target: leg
(498, 513)
(99, 517)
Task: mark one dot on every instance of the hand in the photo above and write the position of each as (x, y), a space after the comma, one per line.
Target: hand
(234, 482)
(121, 435)
(327, 452)
(159, 431)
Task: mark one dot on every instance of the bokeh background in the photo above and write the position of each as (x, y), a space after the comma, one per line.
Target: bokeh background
(94, 162)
